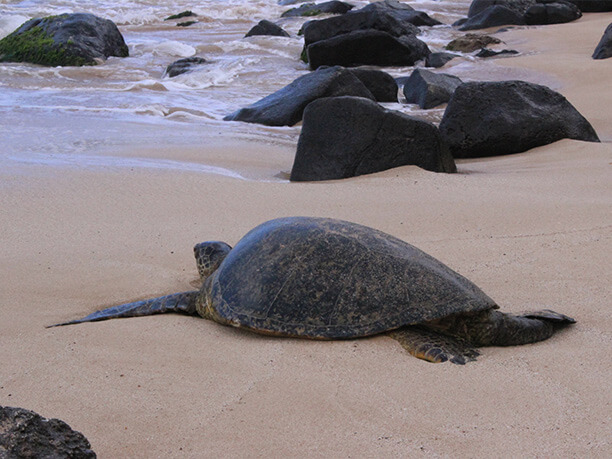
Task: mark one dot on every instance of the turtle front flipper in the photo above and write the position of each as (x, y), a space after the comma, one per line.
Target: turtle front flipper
(183, 303)
(434, 347)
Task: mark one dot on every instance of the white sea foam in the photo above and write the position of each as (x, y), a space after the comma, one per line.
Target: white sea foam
(173, 48)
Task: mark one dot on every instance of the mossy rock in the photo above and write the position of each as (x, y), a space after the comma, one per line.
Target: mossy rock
(64, 40)
(183, 14)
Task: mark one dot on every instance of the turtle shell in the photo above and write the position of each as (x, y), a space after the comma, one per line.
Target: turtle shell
(327, 278)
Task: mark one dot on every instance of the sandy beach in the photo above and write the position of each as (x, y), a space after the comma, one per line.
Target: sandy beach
(532, 230)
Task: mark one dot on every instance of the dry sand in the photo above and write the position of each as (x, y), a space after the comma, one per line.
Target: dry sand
(531, 229)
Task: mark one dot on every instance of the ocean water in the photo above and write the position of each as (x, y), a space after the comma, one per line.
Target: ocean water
(69, 116)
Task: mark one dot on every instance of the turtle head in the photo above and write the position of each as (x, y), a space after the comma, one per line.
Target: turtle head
(209, 256)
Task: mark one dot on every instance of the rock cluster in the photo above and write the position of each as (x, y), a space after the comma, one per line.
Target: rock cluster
(381, 33)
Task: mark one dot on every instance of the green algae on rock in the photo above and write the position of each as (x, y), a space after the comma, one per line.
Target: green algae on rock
(64, 40)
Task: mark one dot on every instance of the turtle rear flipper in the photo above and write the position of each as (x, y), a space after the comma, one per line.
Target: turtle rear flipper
(548, 315)
(183, 303)
(434, 347)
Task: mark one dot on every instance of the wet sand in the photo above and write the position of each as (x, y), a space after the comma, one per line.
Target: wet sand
(532, 230)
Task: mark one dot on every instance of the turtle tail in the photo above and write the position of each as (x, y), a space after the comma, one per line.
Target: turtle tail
(182, 303)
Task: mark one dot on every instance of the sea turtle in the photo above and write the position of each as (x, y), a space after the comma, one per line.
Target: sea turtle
(322, 278)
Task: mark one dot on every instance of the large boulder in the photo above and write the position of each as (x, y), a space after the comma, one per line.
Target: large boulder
(265, 27)
(552, 12)
(285, 106)
(499, 118)
(493, 16)
(429, 89)
(520, 6)
(471, 42)
(359, 20)
(604, 48)
(314, 9)
(348, 136)
(367, 47)
(184, 65)
(67, 39)
(26, 434)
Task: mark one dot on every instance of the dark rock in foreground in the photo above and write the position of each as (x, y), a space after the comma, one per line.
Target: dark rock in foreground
(499, 118)
(67, 39)
(285, 106)
(367, 47)
(493, 16)
(314, 9)
(552, 12)
(604, 48)
(429, 89)
(486, 52)
(471, 42)
(437, 60)
(348, 136)
(183, 66)
(25, 434)
(265, 27)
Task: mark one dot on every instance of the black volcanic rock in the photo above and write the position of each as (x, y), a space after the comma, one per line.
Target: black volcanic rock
(285, 106)
(265, 27)
(492, 16)
(429, 89)
(314, 9)
(593, 6)
(437, 60)
(26, 434)
(382, 85)
(552, 12)
(348, 136)
(486, 52)
(358, 20)
(520, 6)
(367, 47)
(604, 48)
(401, 11)
(499, 118)
(184, 65)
